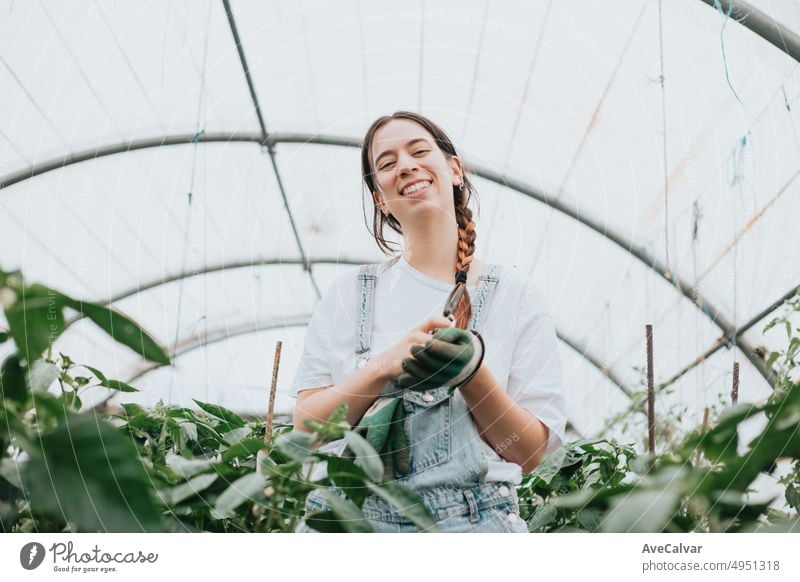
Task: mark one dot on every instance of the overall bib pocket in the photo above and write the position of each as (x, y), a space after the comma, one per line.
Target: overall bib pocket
(428, 426)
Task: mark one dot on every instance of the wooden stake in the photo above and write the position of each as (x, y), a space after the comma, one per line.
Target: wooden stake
(273, 389)
(702, 431)
(651, 393)
(735, 389)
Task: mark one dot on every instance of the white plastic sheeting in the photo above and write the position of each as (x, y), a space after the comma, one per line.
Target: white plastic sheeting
(562, 98)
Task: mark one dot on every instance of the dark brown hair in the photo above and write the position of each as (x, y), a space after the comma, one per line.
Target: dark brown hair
(461, 197)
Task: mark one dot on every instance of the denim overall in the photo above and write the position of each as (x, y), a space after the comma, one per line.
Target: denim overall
(447, 465)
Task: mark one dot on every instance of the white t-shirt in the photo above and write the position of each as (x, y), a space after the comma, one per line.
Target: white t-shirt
(521, 345)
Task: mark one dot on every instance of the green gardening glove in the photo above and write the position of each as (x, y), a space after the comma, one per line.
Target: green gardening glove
(383, 425)
(450, 358)
(397, 454)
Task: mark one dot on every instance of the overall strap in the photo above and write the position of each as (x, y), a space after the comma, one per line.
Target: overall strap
(366, 296)
(365, 299)
(483, 294)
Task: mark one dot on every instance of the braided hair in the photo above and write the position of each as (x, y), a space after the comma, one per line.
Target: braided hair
(462, 194)
(465, 253)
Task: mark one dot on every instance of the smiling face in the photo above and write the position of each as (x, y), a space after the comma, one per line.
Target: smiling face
(411, 174)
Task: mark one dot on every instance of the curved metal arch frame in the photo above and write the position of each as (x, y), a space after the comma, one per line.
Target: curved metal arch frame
(761, 24)
(196, 342)
(729, 332)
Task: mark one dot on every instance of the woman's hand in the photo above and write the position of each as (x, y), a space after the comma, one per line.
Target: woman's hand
(389, 362)
(449, 358)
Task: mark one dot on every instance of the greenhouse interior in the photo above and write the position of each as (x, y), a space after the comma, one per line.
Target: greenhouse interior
(180, 184)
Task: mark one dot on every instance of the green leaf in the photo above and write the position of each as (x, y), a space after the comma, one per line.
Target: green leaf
(366, 457)
(324, 522)
(589, 519)
(339, 415)
(544, 515)
(348, 515)
(243, 448)
(721, 441)
(332, 429)
(583, 498)
(4, 335)
(11, 424)
(42, 374)
(793, 496)
(772, 324)
(406, 502)
(222, 413)
(10, 470)
(647, 509)
(349, 478)
(791, 350)
(118, 385)
(789, 526)
(297, 445)
(89, 473)
(210, 431)
(640, 464)
(133, 409)
(788, 419)
(138, 417)
(186, 468)
(71, 400)
(121, 328)
(195, 485)
(188, 429)
(35, 321)
(178, 437)
(12, 380)
(98, 374)
(550, 465)
(237, 435)
(243, 489)
(771, 361)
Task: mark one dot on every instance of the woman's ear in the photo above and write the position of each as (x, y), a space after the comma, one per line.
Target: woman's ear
(380, 203)
(457, 171)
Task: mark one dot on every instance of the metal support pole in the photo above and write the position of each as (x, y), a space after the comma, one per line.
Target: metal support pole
(651, 393)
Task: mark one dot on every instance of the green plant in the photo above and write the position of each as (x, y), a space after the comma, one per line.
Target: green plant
(669, 493)
(166, 469)
(172, 468)
(356, 474)
(577, 466)
(784, 365)
(61, 469)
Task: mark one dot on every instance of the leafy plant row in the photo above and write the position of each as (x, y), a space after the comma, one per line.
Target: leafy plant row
(171, 468)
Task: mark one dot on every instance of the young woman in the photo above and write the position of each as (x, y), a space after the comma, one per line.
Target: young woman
(459, 407)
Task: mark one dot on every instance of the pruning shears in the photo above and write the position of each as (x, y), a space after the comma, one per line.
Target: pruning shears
(453, 300)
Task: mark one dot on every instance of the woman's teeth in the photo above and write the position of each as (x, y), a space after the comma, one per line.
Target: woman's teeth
(415, 188)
